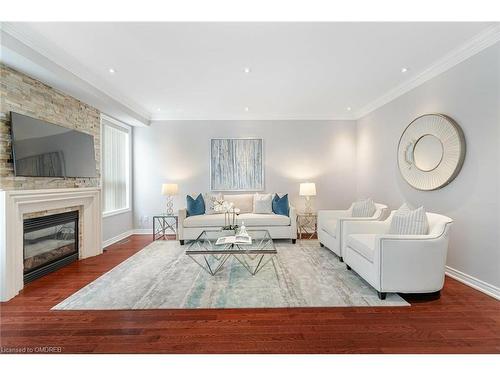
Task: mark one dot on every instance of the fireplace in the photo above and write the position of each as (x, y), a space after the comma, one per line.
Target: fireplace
(49, 243)
(18, 205)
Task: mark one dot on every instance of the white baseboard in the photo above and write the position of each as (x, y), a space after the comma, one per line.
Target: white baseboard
(115, 239)
(124, 235)
(471, 281)
(143, 231)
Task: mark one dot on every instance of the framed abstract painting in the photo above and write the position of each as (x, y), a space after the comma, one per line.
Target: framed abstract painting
(236, 164)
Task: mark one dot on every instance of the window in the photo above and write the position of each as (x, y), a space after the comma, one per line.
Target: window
(115, 166)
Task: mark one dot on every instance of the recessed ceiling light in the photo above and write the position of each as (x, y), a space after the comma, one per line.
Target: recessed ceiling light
(349, 108)
(247, 70)
(247, 109)
(404, 70)
(158, 109)
(111, 70)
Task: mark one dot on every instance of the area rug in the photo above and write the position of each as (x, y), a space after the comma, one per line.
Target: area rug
(161, 276)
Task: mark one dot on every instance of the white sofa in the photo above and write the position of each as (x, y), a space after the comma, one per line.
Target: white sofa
(398, 263)
(279, 226)
(330, 223)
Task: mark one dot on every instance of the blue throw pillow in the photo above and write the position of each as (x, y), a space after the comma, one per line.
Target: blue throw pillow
(195, 206)
(280, 205)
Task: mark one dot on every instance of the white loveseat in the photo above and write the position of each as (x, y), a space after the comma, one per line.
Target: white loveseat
(330, 223)
(279, 226)
(398, 263)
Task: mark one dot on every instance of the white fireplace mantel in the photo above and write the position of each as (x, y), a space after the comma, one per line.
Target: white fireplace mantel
(14, 204)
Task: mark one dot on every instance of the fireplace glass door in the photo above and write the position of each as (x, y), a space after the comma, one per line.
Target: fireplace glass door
(50, 242)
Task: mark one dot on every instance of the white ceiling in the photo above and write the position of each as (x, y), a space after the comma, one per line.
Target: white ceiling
(196, 70)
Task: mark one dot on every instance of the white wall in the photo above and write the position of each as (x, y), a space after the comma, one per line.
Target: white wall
(117, 225)
(469, 93)
(294, 151)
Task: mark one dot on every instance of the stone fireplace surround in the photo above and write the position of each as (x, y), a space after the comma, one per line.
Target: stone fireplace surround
(16, 204)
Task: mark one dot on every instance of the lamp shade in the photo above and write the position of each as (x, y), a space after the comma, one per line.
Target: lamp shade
(307, 189)
(169, 189)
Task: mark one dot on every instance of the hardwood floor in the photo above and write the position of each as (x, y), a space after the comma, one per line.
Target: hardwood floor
(461, 321)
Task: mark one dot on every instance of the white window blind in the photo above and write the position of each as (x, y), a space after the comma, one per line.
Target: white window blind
(116, 167)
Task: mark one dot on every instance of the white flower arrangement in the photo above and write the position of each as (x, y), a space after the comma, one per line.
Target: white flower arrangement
(229, 211)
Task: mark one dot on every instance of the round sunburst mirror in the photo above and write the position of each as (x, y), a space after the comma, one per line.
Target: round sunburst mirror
(431, 151)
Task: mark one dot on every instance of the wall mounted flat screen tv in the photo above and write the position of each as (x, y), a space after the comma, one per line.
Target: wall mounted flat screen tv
(42, 149)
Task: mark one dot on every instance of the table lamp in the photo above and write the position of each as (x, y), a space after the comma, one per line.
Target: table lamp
(308, 190)
(169, 190)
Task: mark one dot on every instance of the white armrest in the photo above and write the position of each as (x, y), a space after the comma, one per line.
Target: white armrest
(407, 237)
(412, 263)
(344, 219)
(333, 214)
(180, 223)
(381, 213)
(292, 213)
(364, 227)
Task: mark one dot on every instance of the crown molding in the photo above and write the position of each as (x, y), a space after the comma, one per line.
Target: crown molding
(483, 40)
(68, 63)
(255, 118)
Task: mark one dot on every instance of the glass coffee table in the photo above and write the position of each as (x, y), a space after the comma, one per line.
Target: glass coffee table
(212, 257)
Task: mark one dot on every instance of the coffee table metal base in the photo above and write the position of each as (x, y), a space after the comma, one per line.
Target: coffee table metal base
(212, 262)
(211, 257)
(254, 264)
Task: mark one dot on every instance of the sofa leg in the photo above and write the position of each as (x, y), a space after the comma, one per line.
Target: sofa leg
(348, 267)
(181, 242)
(341, 259)
(294, 241)
(321, 245)
(382, 295)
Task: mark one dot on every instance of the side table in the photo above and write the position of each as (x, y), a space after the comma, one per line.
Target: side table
(307, 225)
(163, 225)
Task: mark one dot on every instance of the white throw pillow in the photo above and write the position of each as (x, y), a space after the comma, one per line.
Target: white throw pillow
(263, 203)
(242, 201)
(364, 208)
(408, 221)
(212, 201)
